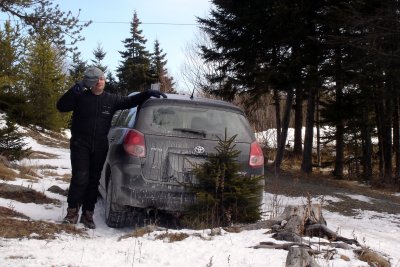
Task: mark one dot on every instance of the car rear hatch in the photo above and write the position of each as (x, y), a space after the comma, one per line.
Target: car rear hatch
(181, 135)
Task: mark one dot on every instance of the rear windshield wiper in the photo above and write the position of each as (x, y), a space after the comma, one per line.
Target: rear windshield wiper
(189, 130)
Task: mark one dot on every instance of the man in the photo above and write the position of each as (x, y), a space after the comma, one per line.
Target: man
(92, 110)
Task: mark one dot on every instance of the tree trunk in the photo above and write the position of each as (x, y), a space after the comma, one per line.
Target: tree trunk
(297, 216)
(379, 123)
(339, 135)
(298, 123)
(285, 127)
(339, 159)
(306, 164)
(299, 257)
(366, 146)
(278, 120)
(396, 133)
(387, 138)
(318, 131)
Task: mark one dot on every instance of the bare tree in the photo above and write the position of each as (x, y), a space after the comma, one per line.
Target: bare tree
(194, 69)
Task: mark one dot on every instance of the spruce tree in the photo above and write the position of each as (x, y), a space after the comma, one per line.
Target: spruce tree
(12, 144)
(11, 48)
(134, 73)
(223, 195)
(159, 69)
(9, 54)
(77, 68)
(45, 81)
(111, 84)
(99, 55)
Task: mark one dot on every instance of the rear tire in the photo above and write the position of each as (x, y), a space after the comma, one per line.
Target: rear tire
(115, 214)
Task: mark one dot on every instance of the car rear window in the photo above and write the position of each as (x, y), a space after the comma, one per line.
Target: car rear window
(194, 121)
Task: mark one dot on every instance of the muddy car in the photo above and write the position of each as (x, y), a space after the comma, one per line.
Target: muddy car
(153, 148)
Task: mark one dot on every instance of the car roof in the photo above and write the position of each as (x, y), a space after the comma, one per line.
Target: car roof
(175, 98)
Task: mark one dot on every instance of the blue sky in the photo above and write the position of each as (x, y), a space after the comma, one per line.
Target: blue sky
(111, 25)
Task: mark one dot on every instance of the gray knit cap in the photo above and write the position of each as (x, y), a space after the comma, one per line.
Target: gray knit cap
(91, 76)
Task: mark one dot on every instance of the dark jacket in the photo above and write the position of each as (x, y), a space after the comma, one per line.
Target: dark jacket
(92, 114)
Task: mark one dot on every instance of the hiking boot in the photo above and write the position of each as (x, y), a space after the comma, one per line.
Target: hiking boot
(87, 219)
(72, 216)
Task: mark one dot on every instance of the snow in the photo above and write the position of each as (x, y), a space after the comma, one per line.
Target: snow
(360, 198)
(102, 246)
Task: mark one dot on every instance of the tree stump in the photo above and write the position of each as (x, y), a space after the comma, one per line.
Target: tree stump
(293, 224)
(307, 220)
(299, 257)
(295, 218)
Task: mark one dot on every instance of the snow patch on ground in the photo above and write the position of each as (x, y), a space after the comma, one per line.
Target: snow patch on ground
(102, 247)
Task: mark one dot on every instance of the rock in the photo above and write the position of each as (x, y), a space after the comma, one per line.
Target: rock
(58, 190)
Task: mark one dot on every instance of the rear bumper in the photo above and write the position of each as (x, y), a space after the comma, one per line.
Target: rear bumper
(132, 189)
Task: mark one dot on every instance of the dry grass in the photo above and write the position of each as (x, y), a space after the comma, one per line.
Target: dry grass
(6, 173)
(51, 139)
(41, 155)
(373, 258)
(49, 173)
(17, 225)
(233, 229)
(6, 212)
(28, 173)
(65, 177)
(19, 257)
(17, 228)
(138, 232)
(172, 237)
(25, 195)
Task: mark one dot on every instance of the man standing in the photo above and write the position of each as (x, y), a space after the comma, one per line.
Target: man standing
(92, 110)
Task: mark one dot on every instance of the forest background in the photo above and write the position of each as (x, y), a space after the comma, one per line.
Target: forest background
(332, 66)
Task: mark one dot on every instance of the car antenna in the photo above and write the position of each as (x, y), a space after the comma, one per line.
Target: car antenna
(192, 95)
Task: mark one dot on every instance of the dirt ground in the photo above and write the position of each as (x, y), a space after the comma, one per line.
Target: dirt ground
(296, 186)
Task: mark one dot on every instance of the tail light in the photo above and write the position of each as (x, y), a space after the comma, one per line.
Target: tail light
(134, 144)
(256, 155)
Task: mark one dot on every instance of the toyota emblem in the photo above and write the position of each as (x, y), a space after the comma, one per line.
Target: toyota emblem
(199, 150)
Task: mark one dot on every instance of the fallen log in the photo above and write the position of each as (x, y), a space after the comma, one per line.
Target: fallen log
(320, 230)
(284, 246)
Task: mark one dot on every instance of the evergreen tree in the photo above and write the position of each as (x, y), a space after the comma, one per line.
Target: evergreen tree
(258, 52)
(10, 56)
(11, 48)
(111, 84)
(45, 81)
(159, 69)
(77, 68)
(134, 73)
(99, 55)
(223, 196)
(12, 144)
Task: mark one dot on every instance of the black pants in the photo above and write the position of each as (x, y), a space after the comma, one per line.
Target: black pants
(87, 159)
